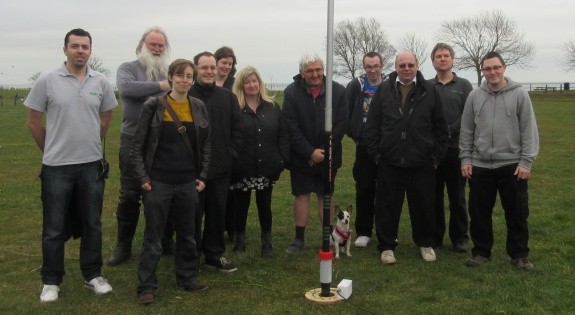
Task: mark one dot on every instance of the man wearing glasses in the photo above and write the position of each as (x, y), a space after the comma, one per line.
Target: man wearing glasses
(498, 144)
(304, 108)
(137, 81)
(358, 93)
(406, 136)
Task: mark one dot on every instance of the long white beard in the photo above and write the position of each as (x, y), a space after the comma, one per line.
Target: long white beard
(156, 66)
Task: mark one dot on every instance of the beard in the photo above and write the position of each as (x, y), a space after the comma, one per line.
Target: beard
(156, 66)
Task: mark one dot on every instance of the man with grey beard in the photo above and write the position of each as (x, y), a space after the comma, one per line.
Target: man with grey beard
(137, 81)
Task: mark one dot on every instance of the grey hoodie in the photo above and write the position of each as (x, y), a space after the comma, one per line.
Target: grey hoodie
(498, 129)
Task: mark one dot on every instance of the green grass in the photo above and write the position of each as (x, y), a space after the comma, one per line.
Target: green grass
(278, 285)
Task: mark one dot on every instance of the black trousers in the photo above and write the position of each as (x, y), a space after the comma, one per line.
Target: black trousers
(448, 175)
(365, 176)
(213, 201)
(394, 183)
(484, 186)
(264, 204)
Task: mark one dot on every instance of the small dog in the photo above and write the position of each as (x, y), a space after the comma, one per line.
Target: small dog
(341, 234)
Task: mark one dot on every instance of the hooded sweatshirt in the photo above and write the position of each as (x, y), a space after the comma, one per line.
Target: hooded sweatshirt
(498, 129)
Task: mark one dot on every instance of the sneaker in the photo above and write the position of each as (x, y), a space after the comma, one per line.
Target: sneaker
(362, 241)
(146, 297)
(476, 261)
(222, 265)
(460, 247)
(49, 293)
(522, 263)
(387, 257)
(99, 285)
(428, 254)
(296, 246)
(196, 287)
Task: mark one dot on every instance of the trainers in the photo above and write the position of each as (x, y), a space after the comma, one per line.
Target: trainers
(522, 263)
(49, 293)
(362, 241)
(387, 257)
(146, 297)
(196, 287)
(476, 261)
(296, 246)
(428, 254)
(99, 285)
(222, 265)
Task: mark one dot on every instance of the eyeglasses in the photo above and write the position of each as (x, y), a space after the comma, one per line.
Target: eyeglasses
(408, 65)
(186, 76)
(494, 68)
(157, 46)
(206, 68)
(374, 67)
(312, 71)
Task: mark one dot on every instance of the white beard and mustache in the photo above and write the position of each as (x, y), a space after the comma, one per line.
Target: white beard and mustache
(156, 66)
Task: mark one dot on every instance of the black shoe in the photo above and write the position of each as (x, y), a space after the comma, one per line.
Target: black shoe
(460, 247)
(522, 263)
(146, 297)
(222, 264)
(196, 287)
(477, 261)
(120, 255)
(239, 243)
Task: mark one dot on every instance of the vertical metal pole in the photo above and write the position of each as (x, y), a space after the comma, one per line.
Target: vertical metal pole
(326, 255)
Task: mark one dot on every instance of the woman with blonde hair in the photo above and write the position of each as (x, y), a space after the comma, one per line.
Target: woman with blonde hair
(263, 157)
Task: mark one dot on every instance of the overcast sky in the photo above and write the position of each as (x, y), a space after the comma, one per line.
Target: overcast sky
(268, 34)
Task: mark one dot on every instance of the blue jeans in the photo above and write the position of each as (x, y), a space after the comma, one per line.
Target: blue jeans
(72, 197)
(183, 200)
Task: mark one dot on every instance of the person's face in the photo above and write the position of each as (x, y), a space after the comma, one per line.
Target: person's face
(224, 66)
(182, 82)
(442, 60)
(155, 43)
(78, 51)
(312, 73)
(251, 85)
(493, 71)
(406, 67)
(372, 67)
(206, 70)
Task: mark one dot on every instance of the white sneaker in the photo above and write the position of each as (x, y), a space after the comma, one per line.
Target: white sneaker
(362, 241)
(387, 257)
(99, 285)
(49, 293)
(428, 254)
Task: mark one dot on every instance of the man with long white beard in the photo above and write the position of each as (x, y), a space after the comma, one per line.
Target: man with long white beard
(137, 81)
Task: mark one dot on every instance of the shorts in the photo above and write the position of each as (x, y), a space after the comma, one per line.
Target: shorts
(303, 184)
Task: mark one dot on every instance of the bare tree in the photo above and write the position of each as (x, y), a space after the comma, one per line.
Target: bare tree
(489, 31)
(569, 50)
(97, 64)
(33, 78)
(353, 39)
(415, 44)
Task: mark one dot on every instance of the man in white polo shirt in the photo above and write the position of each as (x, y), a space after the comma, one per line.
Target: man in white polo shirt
(78, 103)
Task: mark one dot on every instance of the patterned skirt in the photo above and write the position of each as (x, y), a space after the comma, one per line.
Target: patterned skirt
(252, 184)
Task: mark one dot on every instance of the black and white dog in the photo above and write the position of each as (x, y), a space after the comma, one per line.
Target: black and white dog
(341, 235)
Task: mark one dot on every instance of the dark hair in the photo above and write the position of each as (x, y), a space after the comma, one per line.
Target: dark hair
(77, 32)
(225, 52)
(178, 66)
(372, 54)
(439, 46)
(490, 55)
(202, 54)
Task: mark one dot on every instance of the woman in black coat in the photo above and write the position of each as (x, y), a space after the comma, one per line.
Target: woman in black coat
(263, 157)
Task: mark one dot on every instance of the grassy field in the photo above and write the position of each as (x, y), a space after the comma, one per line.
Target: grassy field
(278, 285)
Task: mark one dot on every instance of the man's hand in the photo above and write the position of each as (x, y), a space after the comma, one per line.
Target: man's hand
(522, 173)
(316, 157)
(147, 186)
(200, 185)
(466, 170)
(164, 85)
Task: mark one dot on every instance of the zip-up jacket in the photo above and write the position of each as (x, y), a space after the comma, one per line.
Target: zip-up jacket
(354, 97)
(409, 136)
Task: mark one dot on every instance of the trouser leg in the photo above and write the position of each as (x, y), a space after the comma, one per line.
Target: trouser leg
(483, 192)
(365, 176)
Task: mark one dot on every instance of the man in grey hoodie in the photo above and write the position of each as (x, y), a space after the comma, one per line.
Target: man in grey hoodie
(498, 144)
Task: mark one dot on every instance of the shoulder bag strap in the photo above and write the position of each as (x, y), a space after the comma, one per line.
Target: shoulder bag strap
(181, 128)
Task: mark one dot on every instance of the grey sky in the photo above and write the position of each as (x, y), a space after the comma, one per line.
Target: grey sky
(268, 34)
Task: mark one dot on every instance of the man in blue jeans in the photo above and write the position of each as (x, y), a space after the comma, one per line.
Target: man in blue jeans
(78, 103)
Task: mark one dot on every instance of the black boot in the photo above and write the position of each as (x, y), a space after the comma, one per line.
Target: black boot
(123, 249)
(267, 249)
(239, 242)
